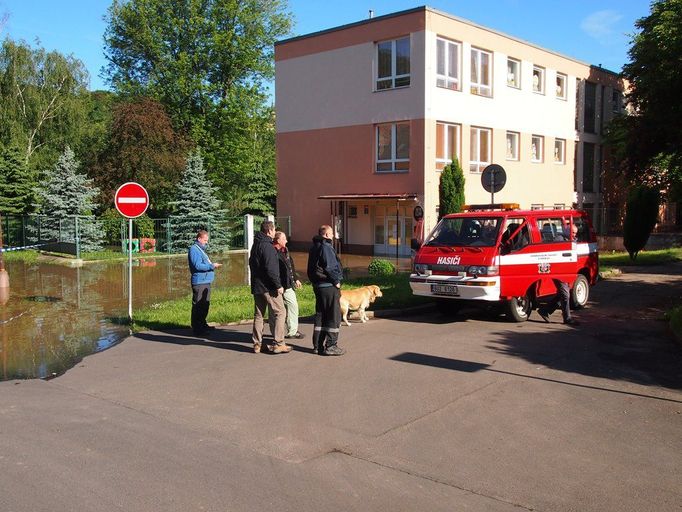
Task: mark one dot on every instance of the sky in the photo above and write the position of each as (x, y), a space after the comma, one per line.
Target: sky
(593, 31)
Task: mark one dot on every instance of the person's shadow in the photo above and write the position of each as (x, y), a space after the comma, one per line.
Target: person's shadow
(218, 338)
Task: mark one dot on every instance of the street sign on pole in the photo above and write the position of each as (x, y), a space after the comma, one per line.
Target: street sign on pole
(493, 179)
(131, 201)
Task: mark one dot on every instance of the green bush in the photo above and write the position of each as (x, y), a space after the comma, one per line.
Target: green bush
(381, 268)
(641, 214)
(111, 225)
(451, 189)
(145, 226)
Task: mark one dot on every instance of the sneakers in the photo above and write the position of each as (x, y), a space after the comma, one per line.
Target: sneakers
(544, 315)
(281, 349)
(299, 336)
(334, 350)
(571, 321)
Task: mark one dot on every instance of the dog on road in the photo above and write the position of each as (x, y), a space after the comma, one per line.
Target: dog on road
(358, 300)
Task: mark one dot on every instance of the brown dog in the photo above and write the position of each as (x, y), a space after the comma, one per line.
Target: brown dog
(358, 299)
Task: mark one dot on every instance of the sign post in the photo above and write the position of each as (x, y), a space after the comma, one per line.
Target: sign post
(131, 201)
(493, 180)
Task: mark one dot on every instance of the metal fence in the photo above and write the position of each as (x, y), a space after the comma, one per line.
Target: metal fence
(77, 234)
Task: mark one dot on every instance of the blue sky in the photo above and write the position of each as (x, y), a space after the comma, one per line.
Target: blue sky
(594, 31)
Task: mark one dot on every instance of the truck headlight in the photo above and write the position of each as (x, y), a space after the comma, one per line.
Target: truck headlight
(422, 269)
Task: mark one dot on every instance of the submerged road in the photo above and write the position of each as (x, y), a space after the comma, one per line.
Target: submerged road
(423, 413)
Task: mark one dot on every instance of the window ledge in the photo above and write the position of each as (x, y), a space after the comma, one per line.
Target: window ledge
(392, 172)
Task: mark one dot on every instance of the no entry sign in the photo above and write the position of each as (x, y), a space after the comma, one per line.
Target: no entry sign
(131, 200)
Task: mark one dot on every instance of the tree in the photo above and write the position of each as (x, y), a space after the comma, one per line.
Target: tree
(207, 62)
(41, 101)
(197, 207)
(68, 194)
(641, 214)
(17, 184)
(451, 189)
(654, 133)
(142, 146)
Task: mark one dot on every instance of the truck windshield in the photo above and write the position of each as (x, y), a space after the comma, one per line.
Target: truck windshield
(465, 232)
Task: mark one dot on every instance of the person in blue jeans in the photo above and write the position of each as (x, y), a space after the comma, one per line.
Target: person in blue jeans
(202, 270)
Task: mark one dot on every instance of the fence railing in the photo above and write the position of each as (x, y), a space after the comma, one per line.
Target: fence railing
(77, 234)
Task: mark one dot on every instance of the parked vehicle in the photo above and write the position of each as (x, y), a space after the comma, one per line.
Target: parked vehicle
(500, 254)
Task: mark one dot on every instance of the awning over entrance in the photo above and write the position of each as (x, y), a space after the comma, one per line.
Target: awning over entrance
(351, 197)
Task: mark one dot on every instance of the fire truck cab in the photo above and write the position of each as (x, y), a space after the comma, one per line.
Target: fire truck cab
(501, 254)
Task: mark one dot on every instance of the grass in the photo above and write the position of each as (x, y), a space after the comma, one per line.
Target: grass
(28, 256)
(658, 257)
(236, 303)
(675, 318)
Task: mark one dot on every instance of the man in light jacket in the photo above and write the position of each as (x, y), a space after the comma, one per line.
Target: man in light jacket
(201, 268)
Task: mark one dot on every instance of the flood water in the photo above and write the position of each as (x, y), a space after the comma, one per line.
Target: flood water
(56, 315)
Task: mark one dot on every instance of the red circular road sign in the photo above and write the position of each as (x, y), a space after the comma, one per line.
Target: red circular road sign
(131, 200)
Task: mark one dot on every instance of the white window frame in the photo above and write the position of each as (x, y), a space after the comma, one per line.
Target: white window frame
(448, 80)
(475, 164)
(477, 86)
(514, 146)
(443, 160)
(393, 77)
(516, 82)
(562, 151)
(540, 72)
(539, 142)
(397, 165)
(561, 92)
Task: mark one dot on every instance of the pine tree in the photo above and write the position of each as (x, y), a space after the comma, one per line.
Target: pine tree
(197, 207)
(17, 184)
(451, 189)
(67, 194)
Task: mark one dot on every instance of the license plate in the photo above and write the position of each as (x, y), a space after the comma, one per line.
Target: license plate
(444, 289)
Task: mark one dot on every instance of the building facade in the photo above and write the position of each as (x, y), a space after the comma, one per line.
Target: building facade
(368, 115)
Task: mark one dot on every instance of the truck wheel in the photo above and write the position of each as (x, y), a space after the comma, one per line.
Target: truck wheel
(580, 292)
(518, 308)
(447, 307)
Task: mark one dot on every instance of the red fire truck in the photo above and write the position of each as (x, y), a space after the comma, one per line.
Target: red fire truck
(501, 254)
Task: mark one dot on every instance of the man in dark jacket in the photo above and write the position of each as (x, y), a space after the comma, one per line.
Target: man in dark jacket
(325, 274)
(266, 288)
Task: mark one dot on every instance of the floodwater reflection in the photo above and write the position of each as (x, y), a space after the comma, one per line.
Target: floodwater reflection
(56, 315)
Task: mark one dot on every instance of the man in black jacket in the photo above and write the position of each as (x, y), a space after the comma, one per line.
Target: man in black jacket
(266, 288)
(325, 274)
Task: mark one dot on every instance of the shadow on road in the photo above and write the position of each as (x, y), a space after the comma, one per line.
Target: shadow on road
(220, 338)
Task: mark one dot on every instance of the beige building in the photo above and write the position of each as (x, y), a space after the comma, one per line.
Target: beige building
(368, 114)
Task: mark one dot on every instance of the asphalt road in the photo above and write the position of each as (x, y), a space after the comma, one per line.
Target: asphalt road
(423, 413)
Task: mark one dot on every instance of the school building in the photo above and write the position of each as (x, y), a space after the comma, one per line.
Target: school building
(368, 115)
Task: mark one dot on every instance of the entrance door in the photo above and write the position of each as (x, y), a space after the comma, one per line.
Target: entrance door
(391, 230)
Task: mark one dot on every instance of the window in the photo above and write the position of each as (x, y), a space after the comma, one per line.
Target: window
(536, 148)
(512, 146)
(561, 82)
(481, 72)
(559, 151)
(393, 147)
(588, 167)
(352, 212)
(393, 64)
(590, 106)
(554, 229)
(538, 79)
(515, 236)
(447, 144)
(616, 104)
(514, 73)
(481, 151)
(448, 64)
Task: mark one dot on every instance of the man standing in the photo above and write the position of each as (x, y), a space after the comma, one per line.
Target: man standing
(201, 268)
(325, 274)
(267, 289)
(290, 281)
(562, 299)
